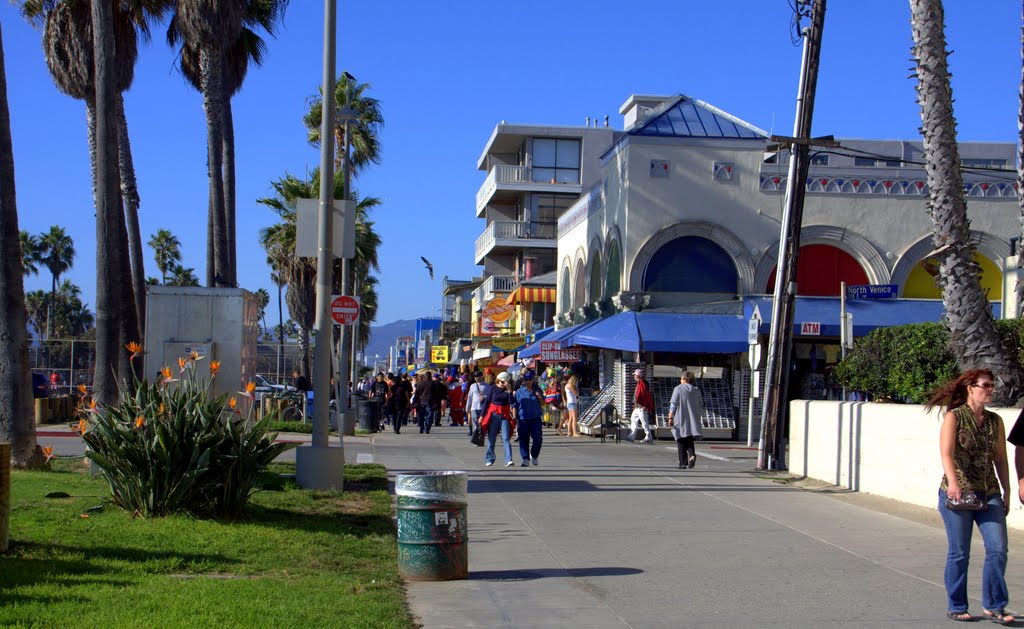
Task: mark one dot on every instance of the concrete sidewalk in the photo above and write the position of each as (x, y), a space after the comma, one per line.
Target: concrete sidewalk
(614, 535)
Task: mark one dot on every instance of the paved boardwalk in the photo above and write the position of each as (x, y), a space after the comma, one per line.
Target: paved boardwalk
(614, 535)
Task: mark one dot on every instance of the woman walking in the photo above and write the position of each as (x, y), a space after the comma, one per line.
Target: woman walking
(972, 445)
(498, 418)
(572, 404)
(684, 413)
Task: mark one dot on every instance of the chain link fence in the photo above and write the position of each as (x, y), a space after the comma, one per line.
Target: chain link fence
(66, 363)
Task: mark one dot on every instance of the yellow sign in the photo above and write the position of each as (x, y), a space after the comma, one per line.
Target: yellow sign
(509, 341)
(439, 354)
(484, 362)
(497, 310)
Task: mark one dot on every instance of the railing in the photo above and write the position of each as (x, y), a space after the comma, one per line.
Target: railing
(513, 230)
(496, 284)
(509, 174)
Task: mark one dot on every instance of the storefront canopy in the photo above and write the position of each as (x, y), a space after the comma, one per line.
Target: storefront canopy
(868, 314)
(665, 332)
(558, 335)
(531, 295)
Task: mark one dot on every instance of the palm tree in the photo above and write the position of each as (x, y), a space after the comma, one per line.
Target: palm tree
(57, 253)
(29, 252)
(972, 333)
(364, 133)
(166, 249)
(248, 48)
(279, 280)
(182, 276)
(262, 301)
(17, 424)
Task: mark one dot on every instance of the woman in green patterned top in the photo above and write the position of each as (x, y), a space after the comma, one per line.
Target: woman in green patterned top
(972, 444)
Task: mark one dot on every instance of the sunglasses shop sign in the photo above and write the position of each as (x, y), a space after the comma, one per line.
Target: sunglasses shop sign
(552, 352)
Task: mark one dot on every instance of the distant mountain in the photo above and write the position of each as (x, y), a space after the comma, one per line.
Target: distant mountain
(382, 337)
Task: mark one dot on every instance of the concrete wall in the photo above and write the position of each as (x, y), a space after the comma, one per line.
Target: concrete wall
(889, 450)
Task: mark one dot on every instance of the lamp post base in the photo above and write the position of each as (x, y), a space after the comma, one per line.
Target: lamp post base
(320, 468)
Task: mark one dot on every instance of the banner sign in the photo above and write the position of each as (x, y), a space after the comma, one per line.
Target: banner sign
(550, 352)
(498, 310)
(439, 354)
(509, 342)
(484, 362)
(809, 328)
(872, 291)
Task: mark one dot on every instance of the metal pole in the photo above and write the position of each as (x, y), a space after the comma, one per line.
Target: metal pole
(325, 257)
(345, 338)
(750, 411)
(842, 329)
(771, 453)
(71, 370)
(354, 374)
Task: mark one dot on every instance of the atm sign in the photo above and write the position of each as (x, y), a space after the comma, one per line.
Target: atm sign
(809, 328)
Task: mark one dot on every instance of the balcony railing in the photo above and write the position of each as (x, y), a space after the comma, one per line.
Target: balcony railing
(512, 231)
(504, 174)
(492, 286)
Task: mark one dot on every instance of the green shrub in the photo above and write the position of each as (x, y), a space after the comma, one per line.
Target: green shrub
(171, 448)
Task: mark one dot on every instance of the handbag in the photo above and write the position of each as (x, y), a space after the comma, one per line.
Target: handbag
(969, 501)
(478, 437)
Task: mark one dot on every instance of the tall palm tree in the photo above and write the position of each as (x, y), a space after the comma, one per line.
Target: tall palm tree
(262, 301)
(29, 252)
(364, 133)
(167, 251)
(57, 253)
(972, 333)
(280, 281)
(17, 424)
(248, 48)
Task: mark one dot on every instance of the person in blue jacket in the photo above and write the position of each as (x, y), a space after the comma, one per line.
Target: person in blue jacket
(530, 417)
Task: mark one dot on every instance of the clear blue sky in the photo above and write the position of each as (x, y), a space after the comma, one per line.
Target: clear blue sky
(446, 74)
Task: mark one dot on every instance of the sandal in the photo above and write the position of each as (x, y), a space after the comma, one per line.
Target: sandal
(960, 616)
(999, 616)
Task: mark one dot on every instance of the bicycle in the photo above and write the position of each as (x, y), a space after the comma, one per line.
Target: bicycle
(293, 411)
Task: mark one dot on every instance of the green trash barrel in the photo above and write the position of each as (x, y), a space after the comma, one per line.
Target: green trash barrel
(433, 544)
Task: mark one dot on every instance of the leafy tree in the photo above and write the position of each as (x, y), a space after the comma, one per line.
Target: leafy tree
(182, 276)
(364, 132)
(17, 424)
(262, 301)
(57, 253)
(973, 337)
(29, 252)
(70, 317)
(167, 251)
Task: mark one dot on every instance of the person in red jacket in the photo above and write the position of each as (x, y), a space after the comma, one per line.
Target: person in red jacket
(643, 408)
(456, 404)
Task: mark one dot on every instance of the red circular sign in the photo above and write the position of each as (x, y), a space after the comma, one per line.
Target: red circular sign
(344, 309)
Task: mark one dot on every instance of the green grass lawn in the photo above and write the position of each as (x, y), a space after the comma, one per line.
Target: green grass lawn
(298, 558)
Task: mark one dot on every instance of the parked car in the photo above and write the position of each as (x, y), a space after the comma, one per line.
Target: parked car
(264, 387)
(40, 385)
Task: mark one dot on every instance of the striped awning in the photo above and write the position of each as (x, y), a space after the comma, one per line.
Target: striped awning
(531, 295)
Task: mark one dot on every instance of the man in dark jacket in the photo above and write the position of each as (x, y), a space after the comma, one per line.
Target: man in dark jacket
(438, 394)
(423, 399)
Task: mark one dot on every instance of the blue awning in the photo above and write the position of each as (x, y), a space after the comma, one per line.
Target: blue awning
(558, 335)
(666, 332)
(868, 314)
(539, 334)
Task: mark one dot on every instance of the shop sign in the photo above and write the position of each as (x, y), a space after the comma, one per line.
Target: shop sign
(439, 354)
(550, 346)
(497, 310)
(810, 328)
(561, 355)
(509, 342)
(484, 362)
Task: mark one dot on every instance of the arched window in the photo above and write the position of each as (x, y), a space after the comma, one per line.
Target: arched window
(579, 295)
(691, 264)
(922, 285)
(595, 276)
(820, 270)
(613, 273)
(564, 292)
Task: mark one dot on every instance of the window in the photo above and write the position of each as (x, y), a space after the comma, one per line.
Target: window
(871, 162)
(863, 161)
(556, 161)
(542, 315)
(819, 160)
(545, 209)
(983, 162)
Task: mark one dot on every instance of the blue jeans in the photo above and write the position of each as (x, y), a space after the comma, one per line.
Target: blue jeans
(530, 429)
(424, 417)
(959, 527)
(493, 427)
(474, 421)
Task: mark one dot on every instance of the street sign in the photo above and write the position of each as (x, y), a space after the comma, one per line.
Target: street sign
(810, 328)
(872, 291)
(344, 309)
(343, 227)
(755, 384)
(848, 330)
(754, 355)
(753, 328)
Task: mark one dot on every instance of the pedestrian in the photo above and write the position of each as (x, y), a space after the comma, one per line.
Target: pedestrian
(422, 400)
(400, 404)
(643, 408)
(456, 400)
(973, 451)
(378, 398)
(498, 418)
(684, 413)
(475, 400)
(572, 404)
(438, 398)
(530, 417)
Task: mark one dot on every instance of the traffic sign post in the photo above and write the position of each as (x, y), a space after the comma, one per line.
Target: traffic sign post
(345, 309)
(754, 358)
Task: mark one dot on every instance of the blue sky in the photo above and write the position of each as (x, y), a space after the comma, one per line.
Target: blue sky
(446, 74)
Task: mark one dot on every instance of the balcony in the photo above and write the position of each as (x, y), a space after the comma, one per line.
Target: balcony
(504, 178)
(491, 288)
(516, 235)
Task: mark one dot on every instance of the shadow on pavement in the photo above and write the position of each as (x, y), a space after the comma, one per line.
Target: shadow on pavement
(545, 573)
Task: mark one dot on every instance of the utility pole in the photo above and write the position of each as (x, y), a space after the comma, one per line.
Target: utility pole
(771, 449)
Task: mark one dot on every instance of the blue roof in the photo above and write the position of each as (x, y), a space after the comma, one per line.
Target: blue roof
(687, 117)
(667, 332)
(558, 335)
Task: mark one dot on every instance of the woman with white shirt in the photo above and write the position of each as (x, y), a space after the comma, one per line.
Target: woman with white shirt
(572, 405)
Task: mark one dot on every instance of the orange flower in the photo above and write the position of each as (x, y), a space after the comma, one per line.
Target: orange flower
(214, 367)
(82, 426)
(82, 389)
(249, 388)
(160, 409)
(140, 421)
(84, 516)
(194, 356)
(232, 403)
(166, 373)
(182, 364)
(134, 348)
(92, 407)
(48, 452)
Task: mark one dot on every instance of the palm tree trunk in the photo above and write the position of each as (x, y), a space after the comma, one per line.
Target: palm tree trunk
(973, 337)
(107, 208)
(130, 193)
(280, 329)
(17, 423)
(49, 307)
(1019, 289)
(229, 192)
(304, 351)
(212, 68)
(128, 330)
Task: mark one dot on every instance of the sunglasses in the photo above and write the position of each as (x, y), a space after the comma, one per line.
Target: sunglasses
(984, 385)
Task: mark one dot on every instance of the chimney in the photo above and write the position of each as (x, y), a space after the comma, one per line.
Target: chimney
(606, 120)
(588, 121)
